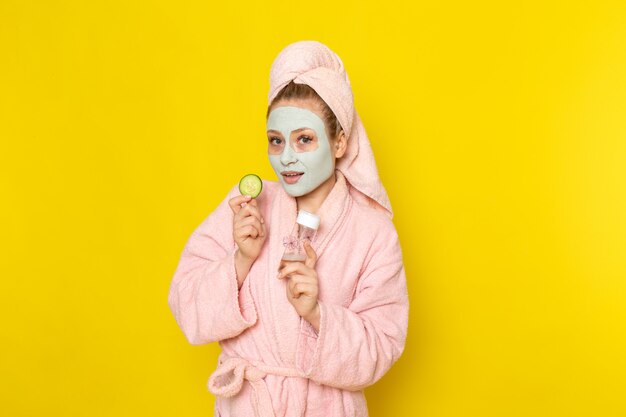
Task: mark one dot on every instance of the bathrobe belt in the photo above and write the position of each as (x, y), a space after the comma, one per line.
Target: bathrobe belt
(227, 381)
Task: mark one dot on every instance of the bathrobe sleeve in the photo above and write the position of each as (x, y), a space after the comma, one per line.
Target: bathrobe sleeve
(204, 295)
(357, 345)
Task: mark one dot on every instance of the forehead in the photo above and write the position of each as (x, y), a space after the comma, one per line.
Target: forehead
(288, 118)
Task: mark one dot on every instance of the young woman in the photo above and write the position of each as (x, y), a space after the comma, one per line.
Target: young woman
(302, 338)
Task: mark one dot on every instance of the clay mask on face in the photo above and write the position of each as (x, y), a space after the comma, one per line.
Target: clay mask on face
(315, 166)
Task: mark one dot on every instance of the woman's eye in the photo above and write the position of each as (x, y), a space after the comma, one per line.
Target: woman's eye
(275, 141)
(305, 139)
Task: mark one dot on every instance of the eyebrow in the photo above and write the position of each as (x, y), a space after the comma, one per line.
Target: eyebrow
(295, 130)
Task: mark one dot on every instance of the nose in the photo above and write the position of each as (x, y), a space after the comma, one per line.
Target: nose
(288, 156)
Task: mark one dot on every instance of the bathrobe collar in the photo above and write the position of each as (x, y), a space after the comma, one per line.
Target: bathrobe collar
(332, 213)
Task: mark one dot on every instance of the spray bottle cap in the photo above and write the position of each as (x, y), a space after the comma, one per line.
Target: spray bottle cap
(310, 220)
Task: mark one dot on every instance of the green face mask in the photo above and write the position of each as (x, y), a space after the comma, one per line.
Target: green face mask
(300, 165)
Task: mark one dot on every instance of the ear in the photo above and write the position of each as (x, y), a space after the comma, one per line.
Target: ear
(341, 144)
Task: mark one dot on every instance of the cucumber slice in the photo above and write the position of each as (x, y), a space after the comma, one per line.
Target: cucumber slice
(250, 185)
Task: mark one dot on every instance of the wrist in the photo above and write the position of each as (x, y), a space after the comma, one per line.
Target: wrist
(242, 267)
(242, 259)
(314, 317)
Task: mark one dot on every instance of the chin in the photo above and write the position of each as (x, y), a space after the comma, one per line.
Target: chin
(294, 193)
(293, 189)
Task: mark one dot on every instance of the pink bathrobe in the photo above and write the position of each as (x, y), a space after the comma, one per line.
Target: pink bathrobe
(273, 362)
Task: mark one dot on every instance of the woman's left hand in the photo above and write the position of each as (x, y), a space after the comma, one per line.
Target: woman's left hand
(302, 288)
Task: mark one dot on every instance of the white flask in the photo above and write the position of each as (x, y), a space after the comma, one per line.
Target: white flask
(304, 229)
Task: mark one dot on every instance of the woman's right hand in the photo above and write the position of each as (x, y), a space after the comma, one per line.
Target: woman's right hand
(248, 227)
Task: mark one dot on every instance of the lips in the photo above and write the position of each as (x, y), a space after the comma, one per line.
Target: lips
(291, 177)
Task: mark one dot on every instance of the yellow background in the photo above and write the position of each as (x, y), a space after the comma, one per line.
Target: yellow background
(500, 133)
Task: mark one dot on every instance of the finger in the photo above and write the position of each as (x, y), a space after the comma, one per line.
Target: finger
(250, 230)
(283, 264)
(291, 268)
(311, 256)
(251, 210)
(302, 278)
(247, 231)
(235, 202)
(302, 288)
(251, 221)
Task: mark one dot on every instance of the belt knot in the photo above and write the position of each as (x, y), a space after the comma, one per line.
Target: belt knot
(227, 380)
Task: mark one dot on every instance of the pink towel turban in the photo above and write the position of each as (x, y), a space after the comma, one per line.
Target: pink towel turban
(314, 64)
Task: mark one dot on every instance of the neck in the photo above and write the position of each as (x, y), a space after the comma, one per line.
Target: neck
(312, 201)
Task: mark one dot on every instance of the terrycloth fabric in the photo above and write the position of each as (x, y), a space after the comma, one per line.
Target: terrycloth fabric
(314, 64)
(273, 363)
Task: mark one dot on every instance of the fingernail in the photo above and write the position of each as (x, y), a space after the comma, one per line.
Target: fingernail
(262, 220)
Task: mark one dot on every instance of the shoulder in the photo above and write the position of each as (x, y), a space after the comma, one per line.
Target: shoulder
(376, 231)
(372, 220)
